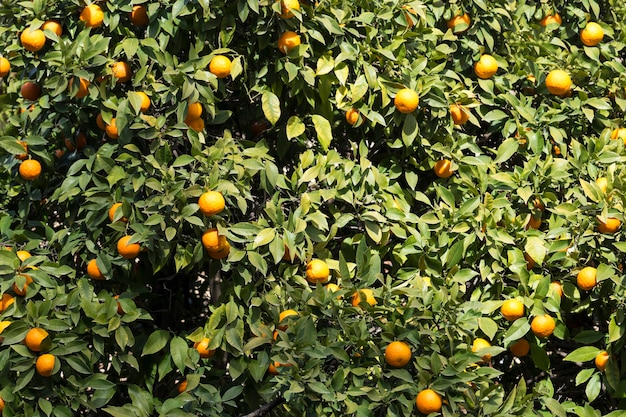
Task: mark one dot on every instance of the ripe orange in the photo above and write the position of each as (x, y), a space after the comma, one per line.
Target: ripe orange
(364, 294)
(288, 40)
(352, 116)
(92, 15)
(121, 71)
(486, 66)
(592, 34)
(459, 114)
(212, 240)
(286, 7)
(53, 26)
(33, 39)
(428, 401)
(406, 100)
(443, 168)
(332, 288)
(5, 67)
(603, 183)
(611, 225)
(530, 262)
(23, 255)
(120, 310)
(182, 386)
(22, 291)
(480, 344)
(126, 250)
(619, 133)
(30, 169)
(139, 16)
(3, 325)
(37, 339)
(220, 66)
(533, 223)
(283, 315)
(93, 271)
(220, 253)
(1, 405)
(195, 124)
(397, 354)
(6, 301)
(111, 129)
(558, 82)
(273, 367)
(211, 203)
(551, 19)
(202, 347)
(83, 87)
(22, 156)
(112, 211)
(602, 360)
(45, 364)
(145, 101)
(100, 122)
(512, 309)
(30, 91)
(317, 271)
(81, 142)
(194, 111)
(520, 348)
(586, 278)
(458, 20)
(556, 288)
(543, 326)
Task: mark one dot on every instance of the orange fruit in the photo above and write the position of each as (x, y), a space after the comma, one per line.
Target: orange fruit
(195, 124)
(212, 240)
(30, 169)
(5, 67)
(512, 309)
(22, 291)
(556, 288)
(112, 211)
(220, 253)
(287, 41)
(3, 325)
(211, 203)
(23, 255)
(286, 7)
(194, 111)
(45, 364)
(520, 348)
(332, 287)
(202, 348)
(145, 101)
(586, 278)
(592, 34)
(220, 66)
(121, 71)
(30, 91)
(533, 223)
(59, 153)
(558, 82)
(53, 26)
(92, 15)
(33, 39)
(397, 354)
(283, 315)
(83, 87)
(543, 326)
(352, 116)
(619, 133)
(406, 100)
(273, 367)
(1, 405)
(602, 360)
(93, 271)
(100, 122)
(459, 114)
(603, 183)
(6, 301)
(428, 401)
(120, 310)
(486, 66)
(550, 19)
(530, 262)
(480, 344)
(126, 250)
(443, 168)
(182, 386)
(22, 156)
(139, 16)
(317, 271)
(457, 20)
(611, 225)
(364, 294)
(37, 339)
(111, 130)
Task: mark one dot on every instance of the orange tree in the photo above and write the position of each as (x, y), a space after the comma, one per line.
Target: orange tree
(433, 160)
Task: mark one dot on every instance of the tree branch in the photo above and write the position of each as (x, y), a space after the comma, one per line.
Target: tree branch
(266, 408)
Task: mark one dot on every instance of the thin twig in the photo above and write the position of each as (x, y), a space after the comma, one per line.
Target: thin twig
(266, 408)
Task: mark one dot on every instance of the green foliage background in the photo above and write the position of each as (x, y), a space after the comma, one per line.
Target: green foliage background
(440, 255)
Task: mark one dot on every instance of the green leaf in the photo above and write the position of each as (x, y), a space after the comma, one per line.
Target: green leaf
(295, 127)
(156, 341)
(179, 350)
(271, 106)
(506, 150)
(323, 129)
(264, 237)
(592, 390)
(582, 354)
